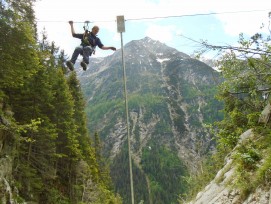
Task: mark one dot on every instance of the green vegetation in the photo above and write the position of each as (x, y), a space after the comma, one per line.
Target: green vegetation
(43, 123)
(121, 178)
(114, 109)
(165, 171)
(244, 92)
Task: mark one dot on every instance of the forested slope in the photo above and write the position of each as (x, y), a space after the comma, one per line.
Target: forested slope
(47, 154)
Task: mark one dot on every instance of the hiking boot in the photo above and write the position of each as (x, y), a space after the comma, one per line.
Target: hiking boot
(70, 65)
(84, 65)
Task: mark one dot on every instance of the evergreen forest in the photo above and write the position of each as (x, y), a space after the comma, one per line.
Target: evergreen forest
(53, 157)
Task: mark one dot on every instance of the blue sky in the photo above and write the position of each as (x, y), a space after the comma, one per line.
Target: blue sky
(247, 17)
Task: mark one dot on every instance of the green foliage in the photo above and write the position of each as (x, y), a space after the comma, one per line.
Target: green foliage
(246, 74)
(153, 105)
(43, 123)
(53, 195)
(247, 156)
(263, 173)
(165, 172)
(103, 165)
(252, 160)
(246, 78)
(18, 31)
(121, 179)
(195, 183)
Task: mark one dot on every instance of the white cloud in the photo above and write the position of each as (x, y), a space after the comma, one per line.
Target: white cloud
(242, 16)
(104, 12)
(235, 22)
(162, 33)
(246, 23)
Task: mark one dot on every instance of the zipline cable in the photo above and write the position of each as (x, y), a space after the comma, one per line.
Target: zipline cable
(199, 14)
(163, 17)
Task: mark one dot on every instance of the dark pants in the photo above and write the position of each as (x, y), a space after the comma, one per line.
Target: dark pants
(85, 51)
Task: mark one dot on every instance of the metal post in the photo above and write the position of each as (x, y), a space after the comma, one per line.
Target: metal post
(121, 29)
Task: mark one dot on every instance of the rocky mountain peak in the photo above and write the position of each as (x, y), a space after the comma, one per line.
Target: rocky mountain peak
(147, 46)
(170, 98)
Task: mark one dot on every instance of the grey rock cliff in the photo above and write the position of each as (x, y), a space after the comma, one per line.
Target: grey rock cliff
(220, 190)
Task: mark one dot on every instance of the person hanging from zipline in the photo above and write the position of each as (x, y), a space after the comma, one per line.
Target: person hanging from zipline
(89, 41)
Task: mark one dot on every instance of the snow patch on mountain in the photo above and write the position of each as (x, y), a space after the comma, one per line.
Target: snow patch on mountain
(162, 60)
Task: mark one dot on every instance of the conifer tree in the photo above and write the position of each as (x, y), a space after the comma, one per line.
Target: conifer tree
(81, 127)
(103, 167)
(18, 67)
(67, 139)
(37, 148)
(51, 136)
(17, 38)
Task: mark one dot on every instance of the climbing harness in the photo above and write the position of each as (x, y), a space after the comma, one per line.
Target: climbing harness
(86, 35)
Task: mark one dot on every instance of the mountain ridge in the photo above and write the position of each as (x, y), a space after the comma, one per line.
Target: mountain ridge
(170, 98)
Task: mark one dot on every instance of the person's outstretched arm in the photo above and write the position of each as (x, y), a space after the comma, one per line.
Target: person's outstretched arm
(108, 48)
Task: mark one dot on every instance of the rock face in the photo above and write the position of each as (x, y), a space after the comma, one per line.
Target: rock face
(5, 178)
(220, 191)
(170, 99)
(6, 159)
